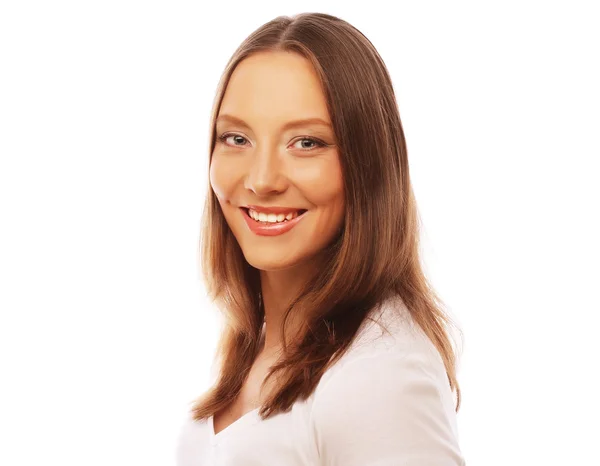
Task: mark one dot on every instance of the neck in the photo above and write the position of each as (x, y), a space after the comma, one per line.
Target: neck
(279, 288)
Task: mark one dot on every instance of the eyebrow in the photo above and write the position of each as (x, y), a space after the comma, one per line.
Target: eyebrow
(288, 125)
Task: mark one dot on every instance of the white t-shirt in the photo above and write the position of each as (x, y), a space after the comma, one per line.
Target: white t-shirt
(386, 402)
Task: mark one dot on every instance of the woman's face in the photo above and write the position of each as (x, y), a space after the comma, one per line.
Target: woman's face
(263, 158)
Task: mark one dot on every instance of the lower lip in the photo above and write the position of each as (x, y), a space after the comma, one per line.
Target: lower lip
(270, 229)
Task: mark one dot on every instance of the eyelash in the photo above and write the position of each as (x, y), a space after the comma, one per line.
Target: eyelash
(318, 142)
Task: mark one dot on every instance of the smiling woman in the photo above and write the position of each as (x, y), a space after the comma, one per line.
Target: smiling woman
(258, 160)
(335, 349)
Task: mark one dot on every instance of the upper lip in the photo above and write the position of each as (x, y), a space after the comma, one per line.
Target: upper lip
(273, 209)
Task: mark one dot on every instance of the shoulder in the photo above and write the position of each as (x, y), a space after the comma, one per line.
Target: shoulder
(189, 438)
(388, 400)
(388, 329)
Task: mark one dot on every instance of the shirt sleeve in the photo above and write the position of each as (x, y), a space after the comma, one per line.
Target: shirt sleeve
(387, 409)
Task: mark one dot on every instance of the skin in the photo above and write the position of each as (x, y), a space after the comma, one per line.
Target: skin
(261, 163)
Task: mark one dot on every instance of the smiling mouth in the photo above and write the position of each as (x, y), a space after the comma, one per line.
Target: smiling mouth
(296, 214)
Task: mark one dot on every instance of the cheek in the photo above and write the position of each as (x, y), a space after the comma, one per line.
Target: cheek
(323, 185)
(219, 181)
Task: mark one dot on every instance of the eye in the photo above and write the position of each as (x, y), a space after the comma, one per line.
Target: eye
(236, 137)
(314, 143)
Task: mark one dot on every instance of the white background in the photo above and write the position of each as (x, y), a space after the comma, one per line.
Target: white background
(105, 335)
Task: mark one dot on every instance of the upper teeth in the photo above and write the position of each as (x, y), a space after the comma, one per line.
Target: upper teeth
(272, 218)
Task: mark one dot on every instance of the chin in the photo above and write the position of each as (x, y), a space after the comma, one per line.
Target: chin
(276, 261)
(270, 265)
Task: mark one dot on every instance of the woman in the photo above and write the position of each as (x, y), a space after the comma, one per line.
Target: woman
(334, 351)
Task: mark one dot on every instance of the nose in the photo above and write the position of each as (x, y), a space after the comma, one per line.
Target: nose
(265, 174)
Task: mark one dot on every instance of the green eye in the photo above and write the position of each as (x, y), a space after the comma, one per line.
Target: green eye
(317, 143)
(226, 136)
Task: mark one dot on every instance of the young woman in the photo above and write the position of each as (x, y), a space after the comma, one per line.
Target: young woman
(334, 349)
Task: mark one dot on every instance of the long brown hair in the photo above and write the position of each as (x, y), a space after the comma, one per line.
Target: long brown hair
(376, 255)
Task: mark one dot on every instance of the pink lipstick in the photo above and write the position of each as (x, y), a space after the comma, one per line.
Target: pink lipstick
(268, 228)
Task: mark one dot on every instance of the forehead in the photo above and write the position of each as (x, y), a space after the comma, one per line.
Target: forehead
(270, 87)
